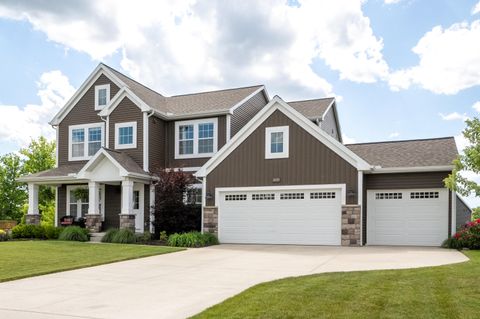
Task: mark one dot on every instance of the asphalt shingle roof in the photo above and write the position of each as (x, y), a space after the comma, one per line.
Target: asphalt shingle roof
(126, 161)
(312, 109)
(411, 153)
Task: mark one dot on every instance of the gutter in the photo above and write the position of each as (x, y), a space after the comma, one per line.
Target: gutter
(415, 169)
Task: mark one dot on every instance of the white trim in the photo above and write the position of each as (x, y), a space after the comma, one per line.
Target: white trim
(151, 209)
(186, 169)
(453, 230)
(233, 108)
(278, 104)
(342, 187)
(229, 127)
(56, 206)
(119, 146)
(107, 132)
(195, 124)
(380, 170)
(360, 203)
(56, 145)
(124, 92)
(328, 109)
(33, 190)
(85, 128)
(106, 87)
(92, 78)
(146, 142)
(140, 188)
(285, 142)
(204, 200)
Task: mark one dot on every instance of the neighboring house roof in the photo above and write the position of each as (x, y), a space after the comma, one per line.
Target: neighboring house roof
(313, 109)
(436, 152)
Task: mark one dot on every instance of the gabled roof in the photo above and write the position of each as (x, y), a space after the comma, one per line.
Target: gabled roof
(278, 104)
(435, 152)
(313, 109)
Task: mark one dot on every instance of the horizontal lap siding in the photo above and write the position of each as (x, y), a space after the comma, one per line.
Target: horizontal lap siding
(244, 113)
(191, 162)
(127, 111)
(82, 113)
(310, 162)
(157, 143)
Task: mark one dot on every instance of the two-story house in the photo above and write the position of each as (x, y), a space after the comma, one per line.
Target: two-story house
(269, 171)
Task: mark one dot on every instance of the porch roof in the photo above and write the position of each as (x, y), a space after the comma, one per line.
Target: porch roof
(68, 171)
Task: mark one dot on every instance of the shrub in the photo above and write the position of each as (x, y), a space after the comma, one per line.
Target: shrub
(3, 235)
(124, 236)
(36, 232)
(74, 233)
(163, 236)
(52, 232)
(108, 237)
(467, 237)
(144, 238)
(192, 239)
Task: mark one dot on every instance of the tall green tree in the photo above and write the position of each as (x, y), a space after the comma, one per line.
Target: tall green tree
(13, 195)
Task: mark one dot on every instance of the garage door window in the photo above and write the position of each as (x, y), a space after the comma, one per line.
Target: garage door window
(322, 195)
(263, 196)
(423, 195)
(235, 197)
(292, 196)
(388, 195)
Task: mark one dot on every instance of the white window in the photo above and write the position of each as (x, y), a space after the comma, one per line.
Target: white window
(136, 199)
(276, 142)
(193, 195)
(102, 96)
(77, 205)
(196, 138)
(85, 140)
(126, 135)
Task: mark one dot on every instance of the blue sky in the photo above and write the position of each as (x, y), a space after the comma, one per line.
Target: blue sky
(362, 52)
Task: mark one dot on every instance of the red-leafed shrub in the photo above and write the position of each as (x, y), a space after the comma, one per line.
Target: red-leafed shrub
(467, 237)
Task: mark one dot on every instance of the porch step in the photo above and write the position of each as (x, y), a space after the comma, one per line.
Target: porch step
(96, 237)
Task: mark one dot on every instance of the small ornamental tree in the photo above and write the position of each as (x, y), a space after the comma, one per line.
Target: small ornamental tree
(173, 213)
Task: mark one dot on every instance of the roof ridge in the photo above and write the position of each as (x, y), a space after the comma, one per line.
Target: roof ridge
(308, 100)
(400, 141)
(211, 91)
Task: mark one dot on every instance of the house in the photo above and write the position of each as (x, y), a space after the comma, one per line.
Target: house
(269, 171)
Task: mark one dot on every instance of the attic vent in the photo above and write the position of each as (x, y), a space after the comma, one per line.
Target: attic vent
(235, 197)
(322, 195)
(423, 195)
(388, 195)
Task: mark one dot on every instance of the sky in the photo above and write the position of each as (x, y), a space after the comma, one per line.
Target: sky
(400, 69)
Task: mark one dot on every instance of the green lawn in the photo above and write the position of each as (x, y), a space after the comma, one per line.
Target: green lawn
(436, 292)
(19, 259)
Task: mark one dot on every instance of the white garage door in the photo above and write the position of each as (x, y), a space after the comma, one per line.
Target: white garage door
(287, 216)
(417, 217)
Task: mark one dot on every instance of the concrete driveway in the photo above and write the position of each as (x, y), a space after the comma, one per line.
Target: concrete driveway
(182, 284)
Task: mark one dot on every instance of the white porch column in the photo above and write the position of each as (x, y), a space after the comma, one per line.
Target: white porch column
(93, 200)
(127, 197)
(32, 199)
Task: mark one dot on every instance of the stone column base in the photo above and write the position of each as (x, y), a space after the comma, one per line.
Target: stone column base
(351, 225)
(93, 222)
(210, 219)
(127, 222)
(32, 219)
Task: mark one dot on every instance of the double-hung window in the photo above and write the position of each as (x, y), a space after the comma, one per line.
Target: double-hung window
(276, 142)
(126, 135)
(102, 96)
(84, 141)
(197, 138)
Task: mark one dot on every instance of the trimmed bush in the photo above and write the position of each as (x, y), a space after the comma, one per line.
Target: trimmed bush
(108, 237)
(3, 235)
(467, 237)
(74, 233)
(52, 232)
(35, 232)
(192, 239)
(124, 236)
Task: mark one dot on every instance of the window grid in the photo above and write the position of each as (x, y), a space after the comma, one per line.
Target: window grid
(235, 197)
(205, 138)
(125, 135)
(424, 195)
(94, 140)
(322, 195)
(292, 196)
(263, 196)
(78, 142)
(388, 195)
(276, 144)
(102, 97)
(185, 139)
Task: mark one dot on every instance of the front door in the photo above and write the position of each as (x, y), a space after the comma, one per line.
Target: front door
(138, 207)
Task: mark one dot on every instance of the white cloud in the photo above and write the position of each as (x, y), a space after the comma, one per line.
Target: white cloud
(179, 46)
(391, 1)
(476, 9)
(394, 135)
(20, 124)
(476, 106)
(449, 60)
(454, 116)
(348, 140)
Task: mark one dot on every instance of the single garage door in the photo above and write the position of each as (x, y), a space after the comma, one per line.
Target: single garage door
(287, 216)
(416, 217)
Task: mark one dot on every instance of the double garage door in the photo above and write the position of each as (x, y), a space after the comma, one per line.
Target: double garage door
(417, 217)
(286, 216)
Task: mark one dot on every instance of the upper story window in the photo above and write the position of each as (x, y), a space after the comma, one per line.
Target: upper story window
(126, 135)
(276, 142)
(102, 96)
(85, 140)
(196, 138)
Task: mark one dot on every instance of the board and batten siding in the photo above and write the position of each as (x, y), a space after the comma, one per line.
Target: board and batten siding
(171, 162)
(310, 162)
(244, 113)
(157, 143)
(127, 111)
(402, 181)
(82, 113)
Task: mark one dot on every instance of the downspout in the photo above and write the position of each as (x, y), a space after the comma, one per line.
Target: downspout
(107, 129)
(55, 127)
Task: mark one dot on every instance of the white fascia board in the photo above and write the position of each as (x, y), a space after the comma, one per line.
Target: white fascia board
(99, 70)
(380, 170)
(233, 108)
(278, 104)
(125, 92)
(337, 122)
(96, 159)
(328, 109)
(195, 115)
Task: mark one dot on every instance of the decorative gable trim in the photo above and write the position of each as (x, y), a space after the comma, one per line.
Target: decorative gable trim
(124, 92)
(278, 104)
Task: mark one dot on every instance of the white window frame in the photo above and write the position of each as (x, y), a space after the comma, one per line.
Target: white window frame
(85, 127)
(268, 141)
(117, 135)
(97, 89)
(101, 200)
(195, 124)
